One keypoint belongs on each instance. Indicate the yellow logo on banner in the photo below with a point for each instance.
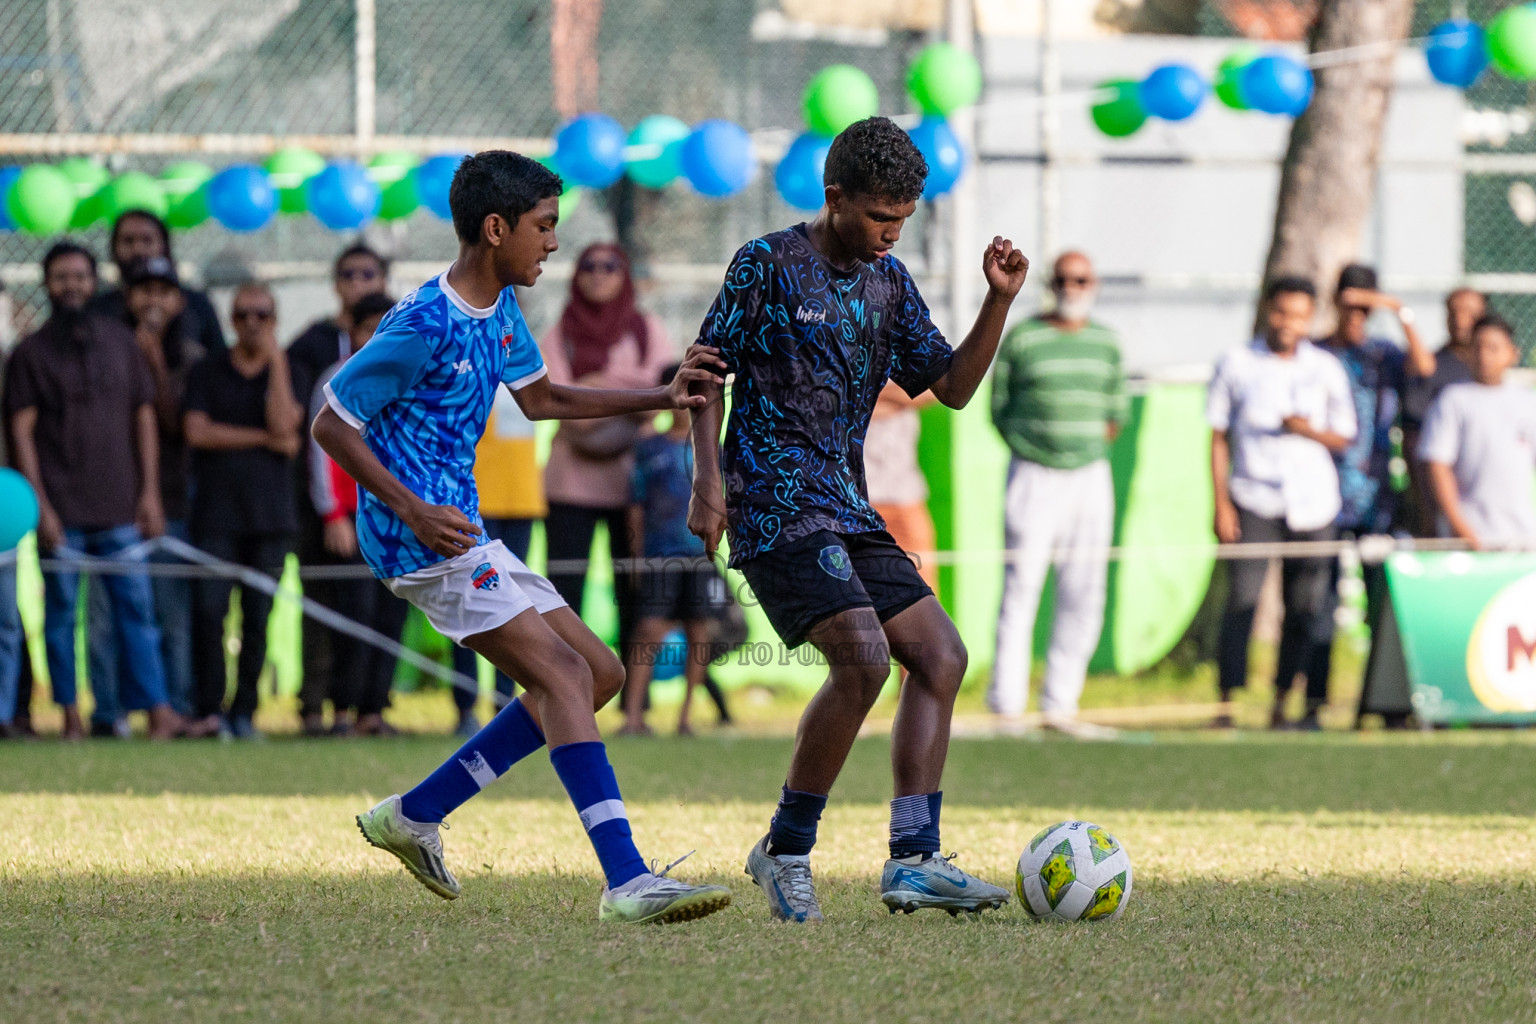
(1501, 654)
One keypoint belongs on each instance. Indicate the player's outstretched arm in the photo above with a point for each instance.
(1005, 269)
(443, 528)
(542, 400)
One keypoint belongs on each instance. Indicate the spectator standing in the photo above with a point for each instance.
(1058, 399)
(13, 640)
(897, 488)
(1279, 409)
(1376, 371)
(359, 271)
(1479, 447)
(677, 583)
(1464, 307)
(242, 424)
(80, 403)
(511, 487)
(140, 235)
(363, 672)
(602, 340)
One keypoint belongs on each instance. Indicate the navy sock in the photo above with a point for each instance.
(505, 740)
(793, 830)
(915, 825)
(588, 779)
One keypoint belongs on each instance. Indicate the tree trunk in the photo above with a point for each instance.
(1329, 176)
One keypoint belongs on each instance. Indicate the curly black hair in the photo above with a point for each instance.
(873, 157)
(497, 181)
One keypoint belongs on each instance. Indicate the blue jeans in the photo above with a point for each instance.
(105, 654)
(13, 645)
(517, 535)
(133, 617)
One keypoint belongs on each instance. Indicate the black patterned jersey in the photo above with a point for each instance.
(811, 346)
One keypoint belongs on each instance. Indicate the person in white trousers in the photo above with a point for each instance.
(1058, 399)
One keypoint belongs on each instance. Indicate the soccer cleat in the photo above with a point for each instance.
(417, 844)
(936, 882)
(786, 881)
(653, 898)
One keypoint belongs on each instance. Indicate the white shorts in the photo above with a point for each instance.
(476, 592)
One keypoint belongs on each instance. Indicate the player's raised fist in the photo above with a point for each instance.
(1005, 267)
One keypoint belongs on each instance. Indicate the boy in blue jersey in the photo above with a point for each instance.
(813, 320)
(402, 417)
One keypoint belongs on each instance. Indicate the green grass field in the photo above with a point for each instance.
(1310, 878)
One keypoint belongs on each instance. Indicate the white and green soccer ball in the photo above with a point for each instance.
(1074, 871)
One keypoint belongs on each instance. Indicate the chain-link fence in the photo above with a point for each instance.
(140, 84)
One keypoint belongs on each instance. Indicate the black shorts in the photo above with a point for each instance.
(824, 573)
(679, 590)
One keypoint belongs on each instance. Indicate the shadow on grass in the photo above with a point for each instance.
(354, 947)
(1415, 777)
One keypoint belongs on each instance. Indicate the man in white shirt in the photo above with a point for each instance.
(1279, 409)
(1479, 445)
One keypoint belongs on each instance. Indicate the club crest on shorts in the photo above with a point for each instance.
(486, 577)
(834, 562)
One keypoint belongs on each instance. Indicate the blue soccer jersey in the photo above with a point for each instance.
(420, 392)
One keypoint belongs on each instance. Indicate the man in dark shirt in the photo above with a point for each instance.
(242, 424)
(813, 320)
(359, 271)
(80, 403)
(1464, 307)
(140, 235)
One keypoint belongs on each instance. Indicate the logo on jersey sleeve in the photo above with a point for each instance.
(486, 577)
(834, 562)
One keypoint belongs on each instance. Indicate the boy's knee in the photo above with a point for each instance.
(607, 678)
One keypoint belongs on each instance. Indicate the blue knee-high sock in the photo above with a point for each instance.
(915, 825)
(588, 779)
(505, 740)
(793, 829)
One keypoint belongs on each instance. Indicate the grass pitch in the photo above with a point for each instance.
(1325, 878)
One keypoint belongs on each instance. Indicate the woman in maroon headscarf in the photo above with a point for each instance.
(602, 340)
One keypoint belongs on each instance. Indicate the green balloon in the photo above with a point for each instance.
(1512, 42)
(87, 178)
(663, 162)
(943, 79)
(569, 200)
(1121, 115)
(1229, 77)
(132, 191)
(395, 174)
(838, 96)
(41, 201)
(289, 168)
(184, 184)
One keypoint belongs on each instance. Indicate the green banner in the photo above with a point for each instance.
(1467, 627)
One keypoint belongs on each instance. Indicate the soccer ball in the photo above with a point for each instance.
(1074, 871)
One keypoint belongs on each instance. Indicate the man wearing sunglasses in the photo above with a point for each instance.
(1058, 400)
(359, 271)
(242, 423)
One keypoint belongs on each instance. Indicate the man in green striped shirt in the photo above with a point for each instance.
(1058, 399)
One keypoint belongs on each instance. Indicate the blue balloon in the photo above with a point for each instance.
(1173, 92)
(718, 158)
(241, 197)
(672, 657)
(799, 175)
(433, 179)
(1277, 84)
(342, 196)
(943, 152)
(18, 508)
(8, 176)
(1457, 52)
(590, 151)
